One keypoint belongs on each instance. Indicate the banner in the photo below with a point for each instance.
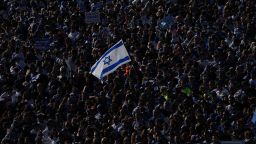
(92, 17)
(42, 44)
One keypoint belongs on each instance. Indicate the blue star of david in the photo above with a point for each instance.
(107, 60)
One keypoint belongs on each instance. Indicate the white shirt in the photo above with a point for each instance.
(73, 36)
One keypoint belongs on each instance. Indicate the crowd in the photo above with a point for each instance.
(192, 78)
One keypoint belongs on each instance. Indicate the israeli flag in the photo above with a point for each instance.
(113, 58)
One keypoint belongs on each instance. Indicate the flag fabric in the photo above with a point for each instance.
(113, 58)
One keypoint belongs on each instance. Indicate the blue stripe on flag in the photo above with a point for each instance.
(117, 45)
(113, 66)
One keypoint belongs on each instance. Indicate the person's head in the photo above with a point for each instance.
(104, 140)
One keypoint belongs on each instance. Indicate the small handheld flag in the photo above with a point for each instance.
(113, 58)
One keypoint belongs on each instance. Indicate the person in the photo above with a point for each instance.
(191, 78)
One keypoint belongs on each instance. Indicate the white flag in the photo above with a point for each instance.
(113, 58)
